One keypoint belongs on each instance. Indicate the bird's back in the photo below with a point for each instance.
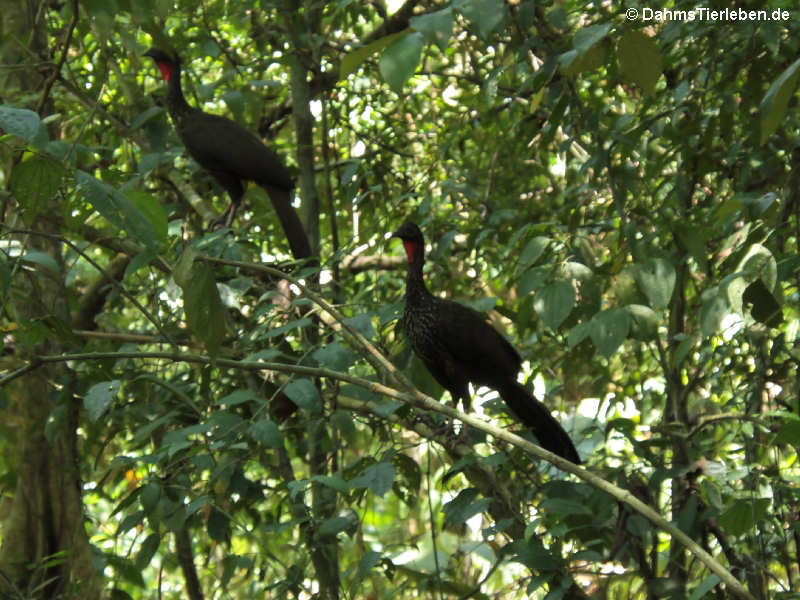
(457, 344)
(219, 144)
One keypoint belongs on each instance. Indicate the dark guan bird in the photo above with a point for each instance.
(231, 154)
(459, 347)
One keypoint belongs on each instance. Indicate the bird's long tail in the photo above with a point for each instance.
(290, 222)
(535, 416)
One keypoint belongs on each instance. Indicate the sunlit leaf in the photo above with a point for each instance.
(400, 60)
(776, 100)
(34, 182)
(609, 329)
(436, 26)
(554, 303)
(640, 60)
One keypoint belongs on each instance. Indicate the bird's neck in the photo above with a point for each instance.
(176, 103)
(416, 290)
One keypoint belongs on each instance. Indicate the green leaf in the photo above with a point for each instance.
(332, 481)
(400, 60)
(708, 584)
(99, 397)
(587, 37)
(532, 279)
(43, 259)
(776, 100)
(149, 496)
(609, 329)
(579, 333)
(236, 398)
(330, 527)
(656, 280)
(366, 563)
(219, 525)
(464, 506)
(714, 308)
(117, 209)
(588, 53)
(377, 478)
(304, 393)
(789, 433)
(152, 209)
(334, 356)
(533, 250)
(640, 60)
(266, 432)
(182, 273)
(202, 304)
(554, 302)
(21, 122)
(436, 26)
(34, 182)
(742, 516)
(147, 550)
(353, 60)
(485, 15)
(644, 322)
(533, 554)
(759, 263)
(145, 117)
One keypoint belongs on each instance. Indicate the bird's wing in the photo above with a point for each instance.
(475, 343)
(220, 144)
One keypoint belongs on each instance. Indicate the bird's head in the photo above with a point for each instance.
(412, 238)
(168, 64)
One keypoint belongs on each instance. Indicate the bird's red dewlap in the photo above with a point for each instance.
(166, 70)
(410, 248)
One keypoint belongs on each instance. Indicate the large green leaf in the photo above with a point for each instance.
(588, 53)
(304, 393)
(640, 60)
(436, 26)
(378, 478)
(609, 329)
(485, 15)
(266, 432)
(776, 100)
(21, 122)
(353, 60)
(35, 181)
(464, 506)
(743, 514)
(533, 250)
(99, 397)
(117, 209)
(713, 309)
(656, 279)
(554, 302)
(400, 60)
(202, 304)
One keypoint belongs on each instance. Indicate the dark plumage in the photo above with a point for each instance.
(231, 154)
(459, 347)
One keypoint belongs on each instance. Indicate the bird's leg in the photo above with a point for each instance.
(225, 219)
(235, 189)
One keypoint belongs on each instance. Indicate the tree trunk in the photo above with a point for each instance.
(45, 550)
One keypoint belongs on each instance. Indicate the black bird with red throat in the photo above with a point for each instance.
(231, 154)
(459, 347)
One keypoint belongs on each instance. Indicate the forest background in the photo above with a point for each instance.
(192, 414)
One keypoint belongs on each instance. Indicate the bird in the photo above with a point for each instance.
(231, 154)
(459, 347)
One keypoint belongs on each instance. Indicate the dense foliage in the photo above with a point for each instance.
(192, 414)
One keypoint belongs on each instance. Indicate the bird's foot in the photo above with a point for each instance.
(224, 220)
